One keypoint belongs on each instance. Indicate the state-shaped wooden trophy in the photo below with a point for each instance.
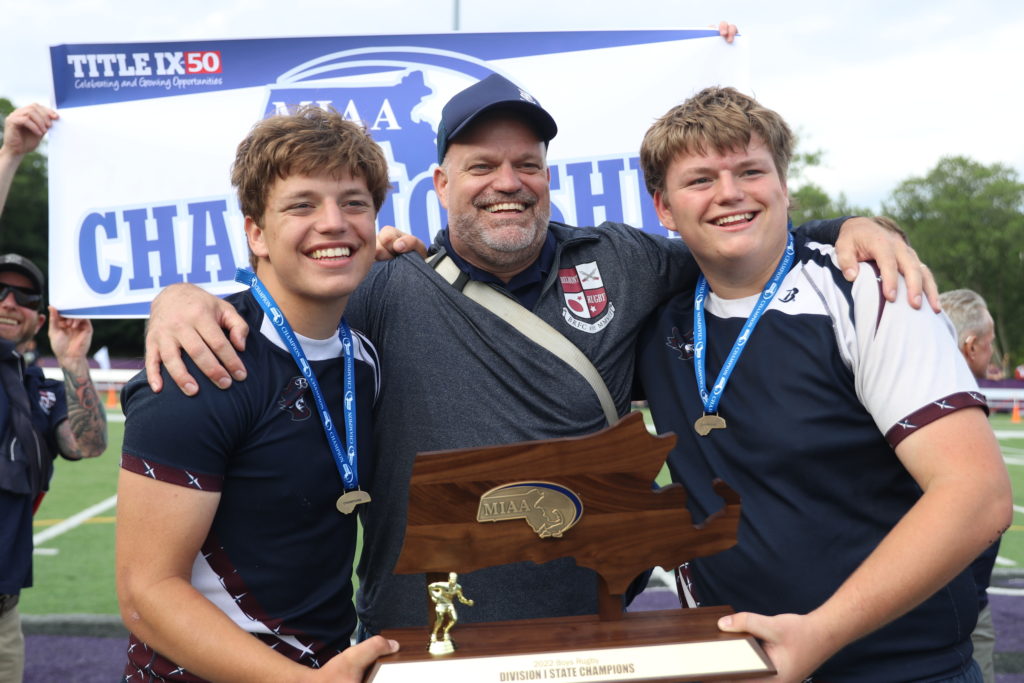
(589, 498)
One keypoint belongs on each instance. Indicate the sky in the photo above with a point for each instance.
(884, 88)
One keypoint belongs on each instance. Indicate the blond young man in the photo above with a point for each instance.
(850, 427)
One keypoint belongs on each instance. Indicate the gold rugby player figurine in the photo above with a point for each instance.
(443, 594)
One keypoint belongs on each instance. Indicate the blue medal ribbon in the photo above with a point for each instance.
(345, 458)
(711, 400)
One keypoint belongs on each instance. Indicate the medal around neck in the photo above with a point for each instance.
(350, 499)
(706, 423)
(710, 400)
(345, 457)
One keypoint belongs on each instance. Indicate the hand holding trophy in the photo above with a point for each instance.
(589, 498)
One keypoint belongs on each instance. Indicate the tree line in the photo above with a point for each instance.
(966, 221)
(964, 218)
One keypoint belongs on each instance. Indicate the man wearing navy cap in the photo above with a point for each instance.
(491, 94)
(458, 375)
(40, 418)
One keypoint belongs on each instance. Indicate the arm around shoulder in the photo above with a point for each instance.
(185, 318)
(882, 241)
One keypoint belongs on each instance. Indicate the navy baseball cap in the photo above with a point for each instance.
(493, 92)
(20, 264)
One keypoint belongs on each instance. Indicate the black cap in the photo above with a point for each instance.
(493, 92)
(20, 264)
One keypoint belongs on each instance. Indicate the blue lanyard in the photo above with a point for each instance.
(711, 400)
(345, 459)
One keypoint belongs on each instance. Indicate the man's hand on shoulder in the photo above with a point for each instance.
(391, 242)
(866, 239)
(184, 317)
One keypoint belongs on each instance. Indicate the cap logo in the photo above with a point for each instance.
(527, 97)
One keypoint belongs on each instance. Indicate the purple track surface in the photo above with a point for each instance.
(53, 656)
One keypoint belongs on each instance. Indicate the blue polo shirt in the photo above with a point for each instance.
(525, 286)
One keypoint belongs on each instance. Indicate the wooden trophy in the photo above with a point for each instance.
(574, 497)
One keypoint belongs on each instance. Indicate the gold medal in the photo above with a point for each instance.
(706, 423)
(350, 499)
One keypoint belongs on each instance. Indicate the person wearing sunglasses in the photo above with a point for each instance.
(39, 417)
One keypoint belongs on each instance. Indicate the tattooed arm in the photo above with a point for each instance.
(84, 433)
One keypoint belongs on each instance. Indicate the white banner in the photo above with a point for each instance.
(139, 162)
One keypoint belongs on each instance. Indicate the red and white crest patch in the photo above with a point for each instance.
(586, 298)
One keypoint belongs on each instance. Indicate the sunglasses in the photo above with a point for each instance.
(22, 295)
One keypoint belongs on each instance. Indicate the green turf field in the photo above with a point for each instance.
(1012, 547)
(79, 578)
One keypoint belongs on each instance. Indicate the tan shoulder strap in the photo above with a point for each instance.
(533, 327)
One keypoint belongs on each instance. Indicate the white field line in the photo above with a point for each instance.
(79, 518)
(73, 521)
